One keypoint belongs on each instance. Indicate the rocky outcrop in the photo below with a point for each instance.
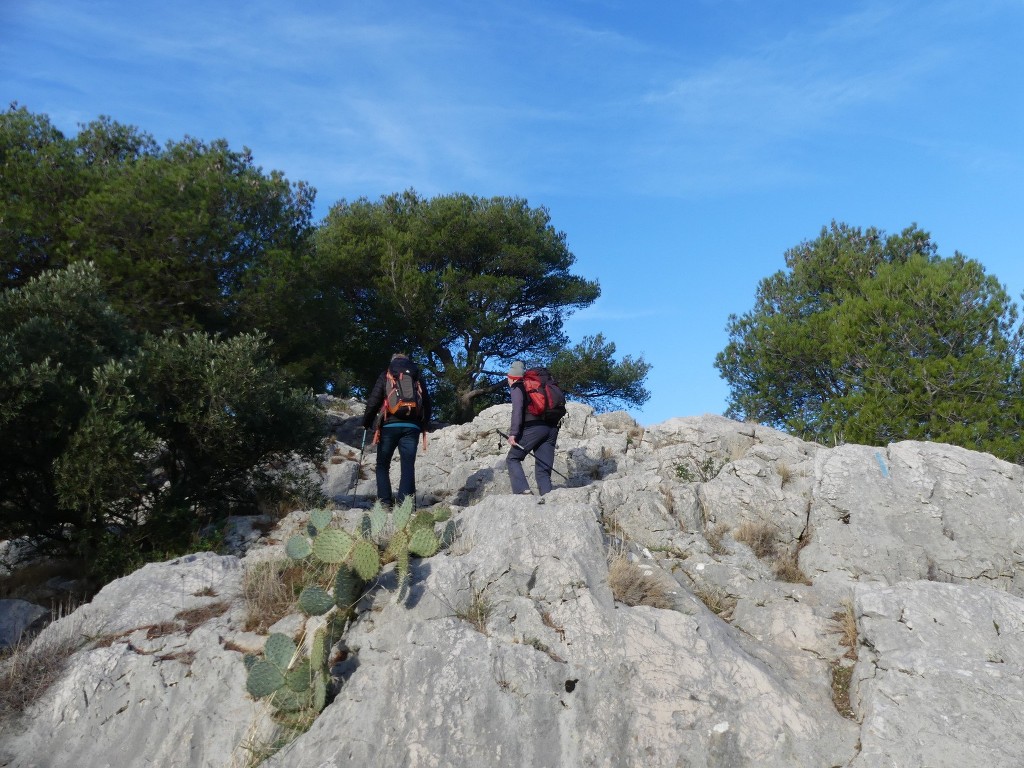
(16, 618)
(845, 606)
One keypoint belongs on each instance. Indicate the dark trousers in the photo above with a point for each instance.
(539, 438)
(404, 439)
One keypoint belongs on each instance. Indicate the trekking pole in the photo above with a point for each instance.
(542, 463)
(359, 470)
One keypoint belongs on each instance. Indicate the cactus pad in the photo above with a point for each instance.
(314, 601)
(366, 559)
(378, 519)
(332, 546)
(402, 566)
(422, 521)
(288, 700)
(318, 650)
(320, 518)
(402, 512)
(399, 543)
(264, 679)
(319, 693)
(279, 650)
(300, 678)
(298, 547)
(442, 515)
(448, 534)
(423, 542)
(346, 587)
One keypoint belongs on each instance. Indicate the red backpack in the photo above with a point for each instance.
(544, 398)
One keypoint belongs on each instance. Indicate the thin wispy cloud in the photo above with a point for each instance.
(600, 313)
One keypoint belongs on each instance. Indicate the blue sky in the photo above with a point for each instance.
(682, 147)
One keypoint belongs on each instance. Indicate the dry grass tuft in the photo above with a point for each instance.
(192, 618)
(718, 601)
(759, 536)
(270, 590)
(477, 610)
(632, 585)
(845, 625)
(163, 629)
(28, 671)
(183, 657)
(787, 568)
(714, 536)
(786, 472)
(737, 450)
(635, 436)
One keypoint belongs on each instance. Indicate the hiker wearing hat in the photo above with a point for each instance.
(529, 432)
(398, 410)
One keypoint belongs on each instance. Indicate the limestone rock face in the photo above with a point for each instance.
(820, 606)
(559, 674)
(940, 677)
(917, 511)
(152, 683)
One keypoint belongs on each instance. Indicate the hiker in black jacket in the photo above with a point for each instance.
(397, 430)
(528, 433)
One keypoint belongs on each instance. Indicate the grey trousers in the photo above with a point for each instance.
(538, 438)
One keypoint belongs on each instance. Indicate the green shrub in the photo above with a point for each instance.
(124, 448)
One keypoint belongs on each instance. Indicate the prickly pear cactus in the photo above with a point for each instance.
(421, 521)
(318, 649)
(332, 546)
(423, 542)
(319, 519)
(447, 537)
(347, 585)
(288, 700)
(300, 677)
(366, 559)
(268, 675)
(404, 577)
(298, 547)
(314, 601)
(399, 543)
(292, 688)
(442, 514)
(319, 698)
(279, 650)
(264, 679)
(297, 686)
(402, 513)
(378, 519)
